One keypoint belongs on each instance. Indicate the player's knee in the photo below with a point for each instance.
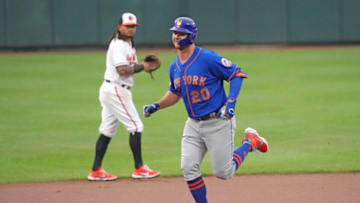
(190, 170)
(108, 132)
(224, 174)
(188, 167)
(139, 127)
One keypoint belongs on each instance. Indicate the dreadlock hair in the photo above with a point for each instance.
(117, 35)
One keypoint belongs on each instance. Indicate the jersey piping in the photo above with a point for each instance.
(186, 84)
(123, 105)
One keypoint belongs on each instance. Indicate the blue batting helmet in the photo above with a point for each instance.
(188, 26)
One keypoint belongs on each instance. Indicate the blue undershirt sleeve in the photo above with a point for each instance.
(235, 86)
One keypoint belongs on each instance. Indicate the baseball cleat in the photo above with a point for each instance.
(100, 175)
(144, 172)
(256, 142)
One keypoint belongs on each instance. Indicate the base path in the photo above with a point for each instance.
(319, 188)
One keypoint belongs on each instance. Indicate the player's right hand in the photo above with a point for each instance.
(150, 109)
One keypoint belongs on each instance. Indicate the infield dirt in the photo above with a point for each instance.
(289, 188)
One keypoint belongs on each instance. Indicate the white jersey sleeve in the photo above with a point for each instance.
(118, 53)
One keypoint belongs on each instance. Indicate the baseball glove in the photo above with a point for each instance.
(151, 63)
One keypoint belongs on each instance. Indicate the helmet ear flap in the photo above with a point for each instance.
(187, 41)
(193, 37)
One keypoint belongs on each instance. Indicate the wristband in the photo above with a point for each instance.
(138, 68)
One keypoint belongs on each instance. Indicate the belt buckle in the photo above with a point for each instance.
(206, 117)
(198, 119)
(212, 115)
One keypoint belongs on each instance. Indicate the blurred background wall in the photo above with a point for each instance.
(76, 23)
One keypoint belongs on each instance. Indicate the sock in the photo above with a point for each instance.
(135, 145)
(240, 154)
(100, 149)
(198, 189)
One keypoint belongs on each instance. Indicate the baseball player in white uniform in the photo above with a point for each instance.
(116, 100)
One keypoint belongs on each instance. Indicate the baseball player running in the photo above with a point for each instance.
(197, 76)
(116, 99)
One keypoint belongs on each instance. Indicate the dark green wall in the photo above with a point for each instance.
(157, 18)
(75, 22)
(215, 20)
(28, 23)
(2, 23)
(350, 20)
(314, 21)
(261, 21)
(56, 23)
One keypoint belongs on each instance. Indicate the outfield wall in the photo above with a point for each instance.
(58, 23)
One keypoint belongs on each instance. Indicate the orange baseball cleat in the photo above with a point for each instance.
(100, 175)
(256, 142)
(144, 172)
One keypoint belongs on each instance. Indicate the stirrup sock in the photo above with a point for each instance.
(198, 189)
(135, 145)
(240, 154)
(100, 150)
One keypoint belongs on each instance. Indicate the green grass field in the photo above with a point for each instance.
(305, 102)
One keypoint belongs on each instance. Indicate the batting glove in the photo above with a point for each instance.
(227, 111)
(150, 109)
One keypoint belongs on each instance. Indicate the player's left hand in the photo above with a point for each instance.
(151, 63)
(227, 111)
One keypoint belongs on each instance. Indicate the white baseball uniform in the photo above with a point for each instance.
(115, 95)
